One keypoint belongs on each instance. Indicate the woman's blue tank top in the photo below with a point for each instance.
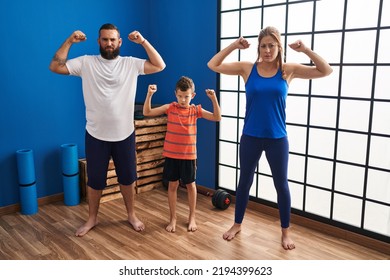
(265, 115)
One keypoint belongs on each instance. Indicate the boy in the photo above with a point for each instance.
(180, 142)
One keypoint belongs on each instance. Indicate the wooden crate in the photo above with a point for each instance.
(149, 138)
(112, 190)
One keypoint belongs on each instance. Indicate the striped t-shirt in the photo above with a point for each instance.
(180, 139)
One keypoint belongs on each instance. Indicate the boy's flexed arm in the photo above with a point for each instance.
(148, 110)
(216, 114)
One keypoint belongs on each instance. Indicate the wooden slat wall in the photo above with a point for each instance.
(149, 139)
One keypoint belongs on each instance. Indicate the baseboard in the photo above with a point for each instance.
(11, 209)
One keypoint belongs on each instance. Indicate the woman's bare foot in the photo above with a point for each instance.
(83, 230)
(231, 233)
(287, 242)
(172, 226)
(136, 224)
(192, 225)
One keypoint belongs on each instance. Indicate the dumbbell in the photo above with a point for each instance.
(221, 199)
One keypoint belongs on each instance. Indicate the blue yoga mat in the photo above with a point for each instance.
(71, 190)
(27, 184)
(70, 164)
(70, 174)
(28, 200)
(26, 169)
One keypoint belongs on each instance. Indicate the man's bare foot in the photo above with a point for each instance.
(83, 230)
(287, 242)
(231, 233)
(136, 224)
(171, 227)
(192, 225)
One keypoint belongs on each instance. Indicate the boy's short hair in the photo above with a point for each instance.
(185, 83)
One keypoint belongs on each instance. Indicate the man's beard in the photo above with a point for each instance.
(109, 54)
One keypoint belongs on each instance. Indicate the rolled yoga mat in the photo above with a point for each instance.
(70, 174)
(27, 182)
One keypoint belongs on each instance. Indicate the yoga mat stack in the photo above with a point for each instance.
(27, 182)
(70, 174)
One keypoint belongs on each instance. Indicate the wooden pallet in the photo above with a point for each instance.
(149, 141)
(149, 138)
(112, 190)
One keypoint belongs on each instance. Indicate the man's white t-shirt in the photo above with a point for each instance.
(109, 89)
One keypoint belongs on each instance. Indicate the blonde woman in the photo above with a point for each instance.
(266, 83)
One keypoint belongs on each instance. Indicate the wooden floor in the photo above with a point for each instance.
(49, 234)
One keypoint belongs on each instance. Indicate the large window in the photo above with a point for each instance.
(338, 126)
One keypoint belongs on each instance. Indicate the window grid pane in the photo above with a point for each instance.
(339, 136)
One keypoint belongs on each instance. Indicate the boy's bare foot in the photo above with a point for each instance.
(231, 233)
(287, 242)
(192, 225)
(83, 230)
(171, 227)
(136, 224)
